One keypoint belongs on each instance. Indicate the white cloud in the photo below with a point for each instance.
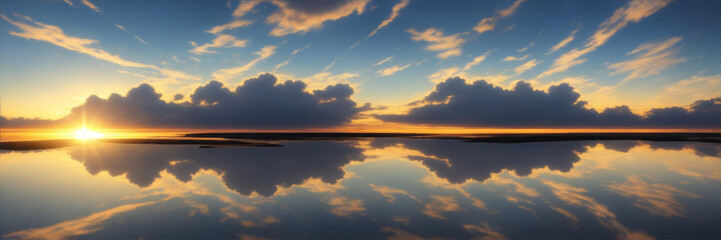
(392, 70)
(651, 59)
(222, 40)
(526, 66)
(228, 73)
(448, 46)
(634, 11)
(396, 10)
(512, 58)
(489, 23)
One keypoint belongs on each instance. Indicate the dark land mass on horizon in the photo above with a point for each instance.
(490, 138)
(247, 139)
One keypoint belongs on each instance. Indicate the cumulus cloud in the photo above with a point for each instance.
(489, 23)
(448, 46)
(295, 16)
(395, 12)
(456, 102)
(261, 102)
(634, 11)
(650, 59)
(392, 70)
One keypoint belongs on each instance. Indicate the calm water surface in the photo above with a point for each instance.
(365, 189)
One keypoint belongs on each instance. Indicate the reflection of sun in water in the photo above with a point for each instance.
(85, 133)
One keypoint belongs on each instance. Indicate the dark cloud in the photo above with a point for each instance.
(245, 170)
(259, 103)
(456, 102)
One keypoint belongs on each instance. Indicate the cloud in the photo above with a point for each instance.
(489, 23)
(563, 42)
(475, 61)
(390, 193)
(396, 10)
(228, 26)
(35, 30)
(455, 102)
(657, 198)
(448, 46)
(90, 5)
(260, 103)
(650, 59)
(295, 16)
(69, 2)
(512, 58)
(228, 73)
(292, 55)
(439, 205)
(486, 229)
(634, 11)
(392, 70)
(526, 66)
(344, 207)
(383, 61)
(222, 40)
(135, 36)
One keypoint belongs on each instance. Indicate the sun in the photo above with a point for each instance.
(85, 133)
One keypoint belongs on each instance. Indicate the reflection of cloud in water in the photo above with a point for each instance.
(656, 198)
(245, 170)
(575, 196)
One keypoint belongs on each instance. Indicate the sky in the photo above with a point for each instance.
(362, 62)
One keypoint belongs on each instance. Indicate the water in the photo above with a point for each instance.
(364, 189)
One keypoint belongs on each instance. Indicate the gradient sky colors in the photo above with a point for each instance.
(643, 54)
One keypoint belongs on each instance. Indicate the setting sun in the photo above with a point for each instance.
(85, 133)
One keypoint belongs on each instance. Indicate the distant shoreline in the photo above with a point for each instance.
(212, 140)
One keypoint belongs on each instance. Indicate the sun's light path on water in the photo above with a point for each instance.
(85, 133)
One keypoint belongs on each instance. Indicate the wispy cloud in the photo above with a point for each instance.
(383, 61)
(489, 23)
(228, 26)
(90, 5)
(448, 46)
(292, 55)
(634, 11)
(69, 2)
(396, 10)
(221, 41)
(289, 18)
(134, 36)
(512, 58)
(228, 73)
(526, 66)
(563, 42)
(476, 61)
(650, 59)
(392, 70)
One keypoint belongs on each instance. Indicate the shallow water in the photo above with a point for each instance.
(365, 189)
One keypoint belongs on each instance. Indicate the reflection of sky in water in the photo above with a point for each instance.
(384, 188)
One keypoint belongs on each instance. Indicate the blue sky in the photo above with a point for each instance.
(677, 59)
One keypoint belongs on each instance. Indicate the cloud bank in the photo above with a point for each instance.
(456, 102)
(261, 103)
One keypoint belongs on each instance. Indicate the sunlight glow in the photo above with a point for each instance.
(85, 133)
